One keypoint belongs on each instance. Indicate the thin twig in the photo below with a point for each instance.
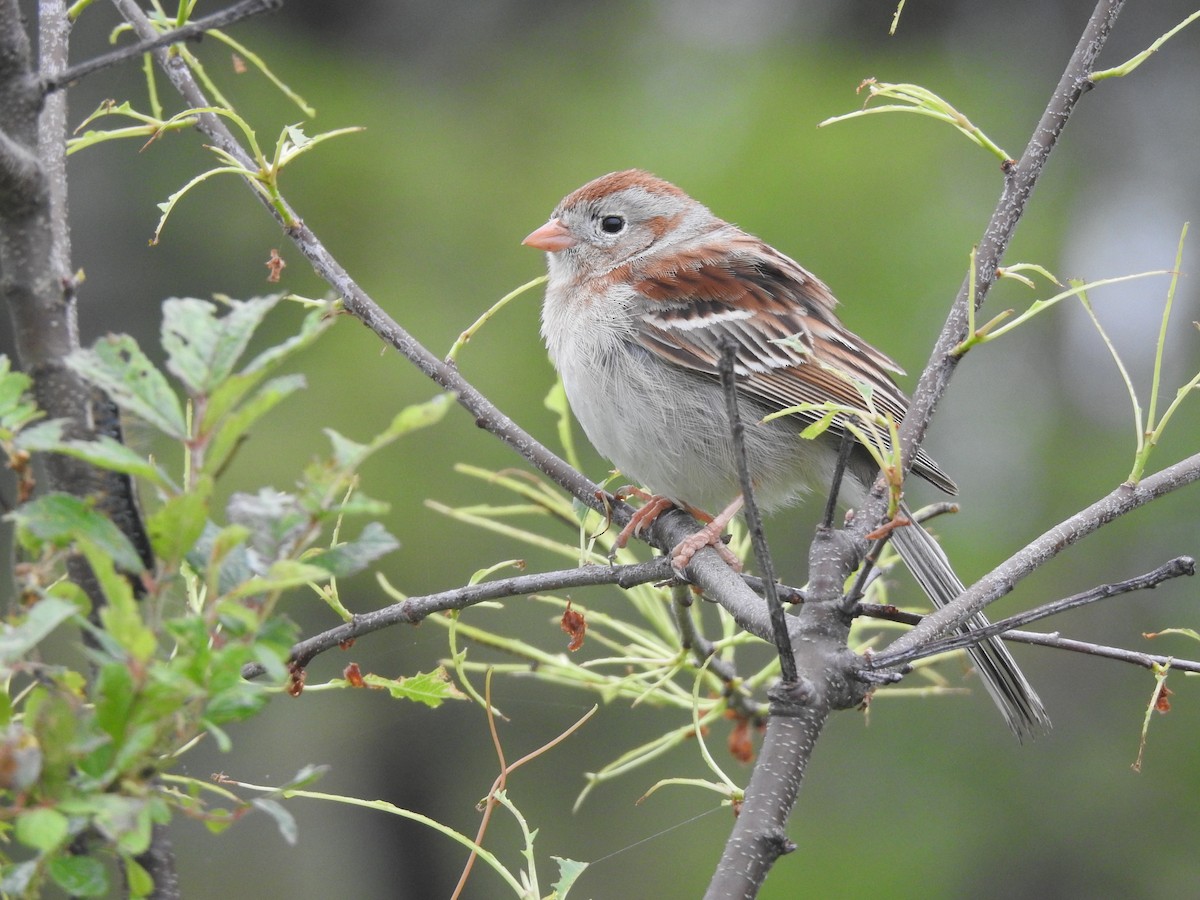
(1133, 657)
(758, 540)
(414, 609)
(705, 654)
(192, 31)
(1181, 565)
(845, 448)
(1001, 580)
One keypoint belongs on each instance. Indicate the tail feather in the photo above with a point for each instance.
(1011, 692)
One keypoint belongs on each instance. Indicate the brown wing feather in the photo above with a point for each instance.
(791, 347)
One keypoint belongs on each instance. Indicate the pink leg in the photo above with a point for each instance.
(708, 536)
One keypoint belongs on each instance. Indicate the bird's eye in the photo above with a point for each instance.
(612, 224)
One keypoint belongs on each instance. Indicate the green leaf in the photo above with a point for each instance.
(431, 688)
(283, 574)
(53, 723)
(16, 409)
(42, 618)
(137, 879)
(349, 455)
(222, 549)
(283, 819)
(115, 694)
(275, 521)
(419, 415)
(60, 518)
(13, 385)
(116, 364)
(819, 427)
(176, 526)
(234, 427)
(44, 436)
(104, 452)
(569, 871)
(354, 556)
(235, 704)
(202, 349)
(228, 394)
(124, 821)
(80, 876)
(121, 617)
(42, 829)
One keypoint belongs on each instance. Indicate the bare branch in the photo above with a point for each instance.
(414, 609)
(192, 31)
(762, 553)
(1145, 660)
(705, 654)
(1004, 577)
(1020, 180)
(1182, 565)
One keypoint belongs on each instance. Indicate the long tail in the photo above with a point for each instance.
(1012, 693)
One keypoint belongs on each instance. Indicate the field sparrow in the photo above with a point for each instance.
(646, 286)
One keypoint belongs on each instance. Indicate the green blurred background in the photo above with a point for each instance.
(478, 118)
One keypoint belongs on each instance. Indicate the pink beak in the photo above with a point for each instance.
(551, 237)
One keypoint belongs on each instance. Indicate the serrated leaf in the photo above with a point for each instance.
(120, 617)
(347, 454)
(79, 876)
(311, 328)
(275, 521)
(116, 364)
(224, 550)
(13, 385)
(42, 436)
(354, 556)
(234, 427)
(60, 518)
(176, 527)
(283, 574)
(569, 871)
(43, 829)
(43, 618)
(16, 408)
(203, 349)
(104, 452)
(431, 688)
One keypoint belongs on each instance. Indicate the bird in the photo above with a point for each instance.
(646, 288)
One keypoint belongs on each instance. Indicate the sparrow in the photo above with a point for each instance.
(646, 289)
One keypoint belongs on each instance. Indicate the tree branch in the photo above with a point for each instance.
(1053, 640)
(414, 609)
(1004, 577)
(758, 539)
(1181, 565)
(1020, 180)
(192, 31)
